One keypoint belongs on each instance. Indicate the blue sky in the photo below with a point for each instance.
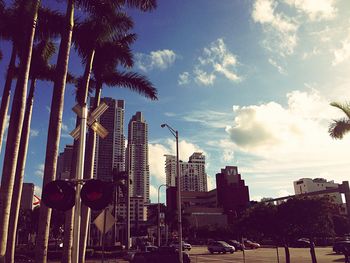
(246, 82)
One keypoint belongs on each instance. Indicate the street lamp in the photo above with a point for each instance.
(175, 133)
(158, 228)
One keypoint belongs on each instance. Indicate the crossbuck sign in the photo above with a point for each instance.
(92, 121)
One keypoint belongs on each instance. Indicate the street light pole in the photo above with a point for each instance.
(158, 228)
(175, 133)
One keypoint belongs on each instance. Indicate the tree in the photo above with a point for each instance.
(258, 221)
(340, 127)
(40, 69)
(306, 217)
(12, 29)
(15, 128)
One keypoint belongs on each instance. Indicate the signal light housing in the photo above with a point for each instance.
(96, 194)
(59, 195)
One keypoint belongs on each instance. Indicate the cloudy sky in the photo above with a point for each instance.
(248, 83)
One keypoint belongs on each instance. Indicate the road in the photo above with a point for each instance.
(200, 254)
(266, 255)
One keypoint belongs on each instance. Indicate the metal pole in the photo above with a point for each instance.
(80, 170)
(178, 196)
(104, 235)
(128, 201)
(158, 228)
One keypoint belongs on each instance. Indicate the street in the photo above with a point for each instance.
(200, 254)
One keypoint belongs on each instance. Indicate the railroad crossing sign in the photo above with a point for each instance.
(92, 121)
(104, 225)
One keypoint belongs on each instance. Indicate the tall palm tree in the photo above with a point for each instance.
(40, 69)
(57, 103)
(107, 57)
(11, 29)
(15, 127)
(338, 128)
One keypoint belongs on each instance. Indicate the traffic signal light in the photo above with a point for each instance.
(96, 194)
(59, 195)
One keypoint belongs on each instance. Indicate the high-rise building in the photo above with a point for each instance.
(64, 163)
(308, 185)
(233, 194)
(27, 197)
(193, 175)
(110, 151)
(137, 157)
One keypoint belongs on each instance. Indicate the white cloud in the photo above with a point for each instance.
(315, 9)
(288, 142)
(280, 29)
(64, 127)
(184, 78)
(34, 133)
(40, 170)
(271, 125)
(208, 118)
(276, 65)
(216, 59)
(160, 59)
(37, 191)
(343, 53)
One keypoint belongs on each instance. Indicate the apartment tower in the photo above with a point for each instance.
(137, 157)
(110, 151)
(193, 175)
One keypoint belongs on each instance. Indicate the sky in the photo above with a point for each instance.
(248, 83)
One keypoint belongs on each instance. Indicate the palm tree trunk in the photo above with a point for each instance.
(17, 190)
(54, 131)
(14, 135)
(69, 216)
(88, 174)
(287, 254)
(5, 101)
(312, 251)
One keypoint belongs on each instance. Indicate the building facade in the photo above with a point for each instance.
(232, 193)
(137, 157)
(27, 197)
(64, 162)
(110, 151)
(192, 173)
(308, 185)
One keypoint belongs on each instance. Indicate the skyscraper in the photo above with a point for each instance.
(193, 175)
(110, 151)
(64, 163)
(137, 156)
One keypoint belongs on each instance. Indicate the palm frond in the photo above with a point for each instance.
(132, 81)
(345, 107)
(338, 128)
(143, 5)
(50, 24)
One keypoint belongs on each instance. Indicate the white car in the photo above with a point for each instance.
(185, 246)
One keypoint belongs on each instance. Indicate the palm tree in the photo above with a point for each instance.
(12, 29)
(107, 57)
(57, 103)
(40, 69)
(340, 127)
(15, 127)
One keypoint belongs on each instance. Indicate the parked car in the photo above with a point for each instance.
(301, 242)
(185, 246)
(341, 246)
(163, 254)
(251, 244)
(220, 247)
(237, 245)
(131, 253)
